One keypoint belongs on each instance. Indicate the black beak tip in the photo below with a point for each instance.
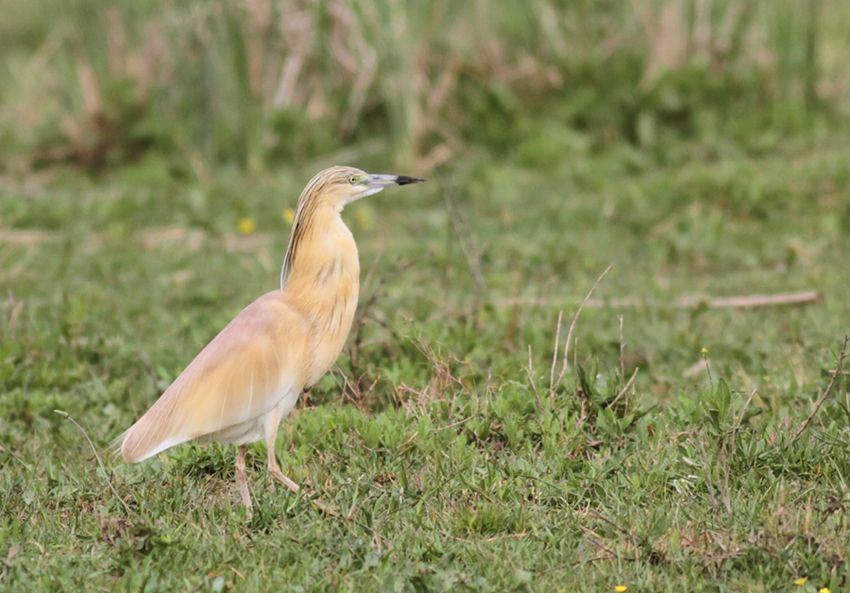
(405, 180)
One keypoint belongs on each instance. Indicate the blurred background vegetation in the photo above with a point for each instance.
(258, 82)
(151, 153)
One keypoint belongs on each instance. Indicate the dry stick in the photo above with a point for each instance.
(752, 301)
(15, 456)
(622, 352)
(575, 353)
(847, 399)
(624, 389)
(452, 425)
(96, 456)
(531, 377)
(598, 541)
(839, 367)
(728, 448)
(471, 251)
(555, 356)
(565, 360)
(740, 418)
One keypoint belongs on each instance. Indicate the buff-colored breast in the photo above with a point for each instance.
(326, 283)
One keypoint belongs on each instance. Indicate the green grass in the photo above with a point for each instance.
(445, 464)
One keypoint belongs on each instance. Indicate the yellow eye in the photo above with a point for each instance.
(353, 179)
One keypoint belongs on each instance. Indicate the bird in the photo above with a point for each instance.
(242, 384)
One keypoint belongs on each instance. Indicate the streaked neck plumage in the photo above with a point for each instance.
(321, 280)
(321, 256)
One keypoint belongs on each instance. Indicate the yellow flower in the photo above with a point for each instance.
(621, 589)
(823, 590)
(247, 226)
(801, 581)
(289, 215)
(704, 351)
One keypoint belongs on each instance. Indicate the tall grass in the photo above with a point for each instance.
(258, 81)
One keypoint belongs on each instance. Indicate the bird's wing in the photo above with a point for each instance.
(240, 375)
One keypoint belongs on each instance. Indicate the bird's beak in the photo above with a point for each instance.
(383, 181)
(375, 183)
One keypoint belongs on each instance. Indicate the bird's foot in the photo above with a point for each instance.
(280, 477)
(242, 478)
(245, 495)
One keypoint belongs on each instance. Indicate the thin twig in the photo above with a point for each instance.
(752, 301)
(530, 371)
(555, 358)
(737, 424)
(597, 540)
(727, 451)
(15, 456)
(448, 426)
(622, 352)
(602, 517)
(624, 389)
(839, 366)
(471, 250)
(565, 361)
(97, 457)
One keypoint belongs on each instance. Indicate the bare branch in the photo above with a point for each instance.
(752, 301)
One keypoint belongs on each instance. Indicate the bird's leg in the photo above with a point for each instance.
(241, 478)
(274, 469)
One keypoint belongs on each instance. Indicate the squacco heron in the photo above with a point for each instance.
(249, 377)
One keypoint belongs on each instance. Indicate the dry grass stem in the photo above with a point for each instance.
(622, 351)
(555, 357)
(565, 360)
(625, 388)
(833, 377)
(471, 251)
(97, 457)
(530, 372)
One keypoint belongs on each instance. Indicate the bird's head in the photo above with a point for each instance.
(333, 188)
(339, 186)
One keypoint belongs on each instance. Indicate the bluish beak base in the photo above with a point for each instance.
(383, 180)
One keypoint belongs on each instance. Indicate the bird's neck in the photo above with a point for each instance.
(324, 273)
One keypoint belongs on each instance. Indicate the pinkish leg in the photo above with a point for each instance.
(274, 469)
(241, 478)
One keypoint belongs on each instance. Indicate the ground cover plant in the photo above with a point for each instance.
(483, 430)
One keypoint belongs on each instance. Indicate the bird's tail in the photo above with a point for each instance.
(115, 445)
